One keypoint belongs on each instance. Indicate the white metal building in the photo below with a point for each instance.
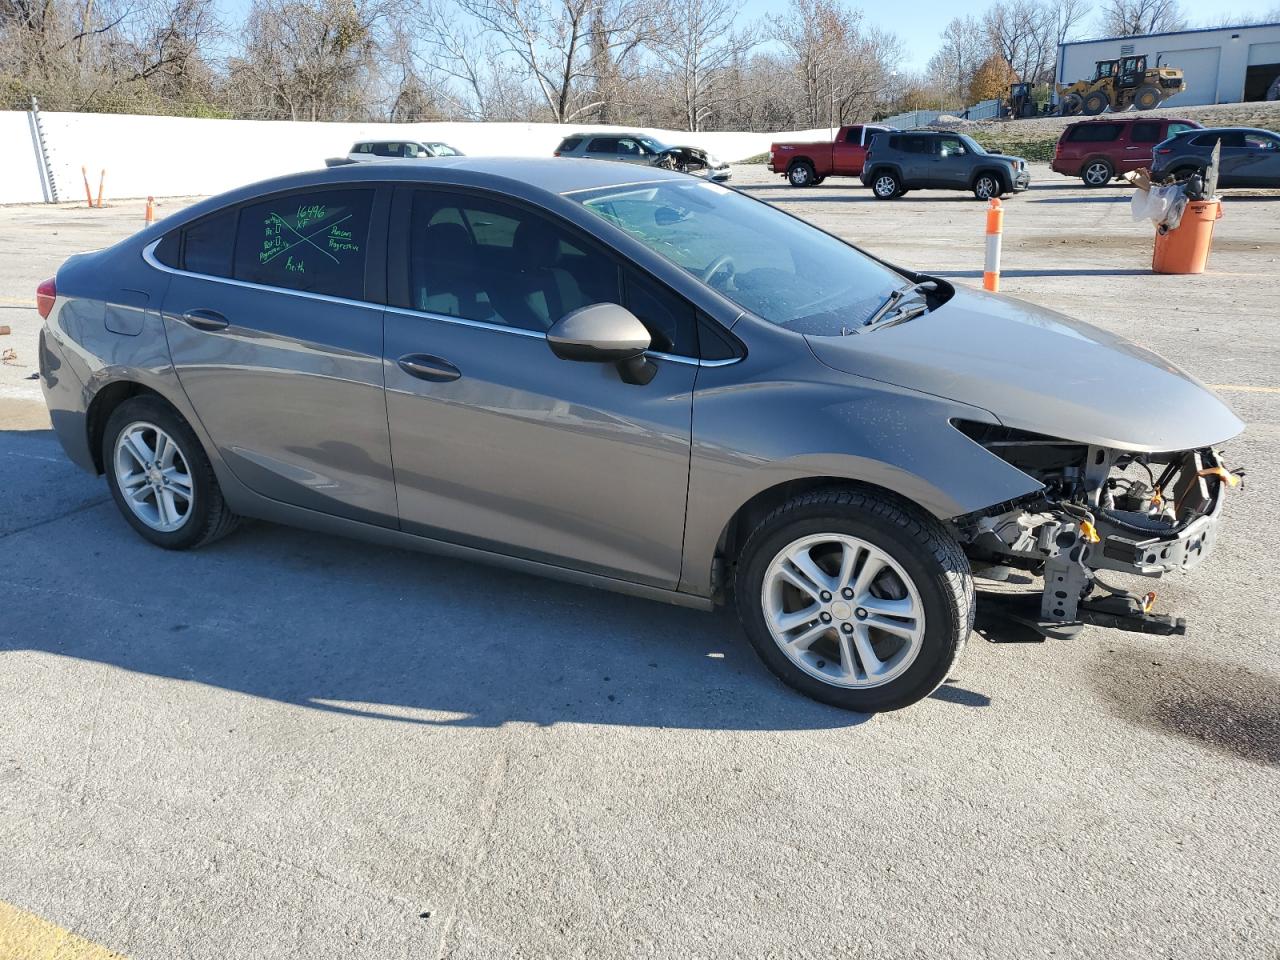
(1222, 64)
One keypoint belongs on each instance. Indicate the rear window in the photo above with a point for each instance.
(207, 243)
(603, 145)
(313, 242)
(1094, 133)
(569, 143)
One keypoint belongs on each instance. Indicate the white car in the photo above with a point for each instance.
(396, 149)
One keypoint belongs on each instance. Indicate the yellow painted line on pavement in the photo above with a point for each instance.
(1243, 388)
(10, 302)
(24, 936)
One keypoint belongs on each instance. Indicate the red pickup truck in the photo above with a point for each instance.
(805, 164)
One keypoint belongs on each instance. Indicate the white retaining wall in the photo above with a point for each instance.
(185, 156)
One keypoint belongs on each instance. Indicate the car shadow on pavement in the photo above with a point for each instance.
(346, 627)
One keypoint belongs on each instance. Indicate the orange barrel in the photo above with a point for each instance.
(1186, 248)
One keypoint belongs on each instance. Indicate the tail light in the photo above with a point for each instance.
(555, 153)
(1164, 151)
(1057, 149)
(46, 293)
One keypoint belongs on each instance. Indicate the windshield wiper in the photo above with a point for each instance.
(889, 307)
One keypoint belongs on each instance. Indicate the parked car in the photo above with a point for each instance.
(808, 164)
(1249, 157)
(914, 160)
(643, 149)
(400, 149)
(603, 374)
(1099, 151)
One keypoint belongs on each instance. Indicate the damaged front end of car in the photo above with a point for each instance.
(1099, 510)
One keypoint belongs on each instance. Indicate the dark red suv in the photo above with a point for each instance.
(1097, 151)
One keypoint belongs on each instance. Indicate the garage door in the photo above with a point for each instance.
(1263, 53)
(1200, 67)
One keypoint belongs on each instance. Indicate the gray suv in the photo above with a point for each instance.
(643, 149)
(1249, 157)
(914, 160)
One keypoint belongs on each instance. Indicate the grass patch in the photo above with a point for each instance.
(1039, 150)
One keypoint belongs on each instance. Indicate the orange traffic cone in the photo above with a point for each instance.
(151, 210)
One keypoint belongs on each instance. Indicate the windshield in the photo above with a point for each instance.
(779, 268)
(444, 150)
(973, 146)
(652, 144)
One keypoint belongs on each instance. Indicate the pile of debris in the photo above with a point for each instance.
(1164, 203)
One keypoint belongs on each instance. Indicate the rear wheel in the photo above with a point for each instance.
(1097, 173)
(1096, 102)
(160, 478)
(855, 599)
(885, 185)
(1147, 98)
(987, 186)
(801, 174)
(1071, 105)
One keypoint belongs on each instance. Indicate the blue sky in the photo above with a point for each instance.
(919, 31)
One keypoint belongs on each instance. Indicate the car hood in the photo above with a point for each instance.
(1035, 369)
(1005, 156)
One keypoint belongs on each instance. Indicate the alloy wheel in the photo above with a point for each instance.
(843, 610)
(153, 476)
(986, 188)
(1097, 174)
(886, 186)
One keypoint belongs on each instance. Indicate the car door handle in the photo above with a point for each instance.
(205, 319)
(426, 367)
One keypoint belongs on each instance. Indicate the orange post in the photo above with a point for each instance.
(102, 182)
(88, 190)
(151, 210)
(995, 227)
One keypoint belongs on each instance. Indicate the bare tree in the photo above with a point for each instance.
(1132, 18)
(966, 44)
(695, 42)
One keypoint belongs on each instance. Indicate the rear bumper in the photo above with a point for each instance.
(1067, 168)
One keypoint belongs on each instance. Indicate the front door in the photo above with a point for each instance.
(498, 443)
(280, 353)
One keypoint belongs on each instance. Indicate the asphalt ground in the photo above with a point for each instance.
(290, 745)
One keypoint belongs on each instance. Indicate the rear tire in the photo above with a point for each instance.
(160, 477)
(1095, 103)
(1071, 105)
(1097, 173)
(800, 174)
(1147, 98)
(886, 185)
(918, 612)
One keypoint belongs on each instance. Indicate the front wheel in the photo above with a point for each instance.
(987, 186)
(160, 477)
(885, 186)
(855, 599)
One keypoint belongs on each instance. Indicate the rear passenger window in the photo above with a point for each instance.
(1094, 133)
(207, 244)
(314, 242)
(603, 145)
(1145, 133)
(916, 145)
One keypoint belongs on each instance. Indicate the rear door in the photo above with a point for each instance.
(274, 323)
(499, 444)
(1138, 146)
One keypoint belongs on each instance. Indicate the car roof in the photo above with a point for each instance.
(1227, 130)
(526, 177)
(1137, 119)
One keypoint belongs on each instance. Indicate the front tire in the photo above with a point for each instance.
(855, 599)
(886, 186)
(1095, 103)
(1147, 98)
(160, 477)
(987, 186)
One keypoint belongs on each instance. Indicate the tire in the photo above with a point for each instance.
(800, 174)
(987, 186)
(206, 516)
(1147, 98)
(1097, 173)
(1095, 103)
(886, 185)
(922, 562)
(1071, 105)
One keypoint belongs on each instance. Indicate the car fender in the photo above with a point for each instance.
(757, 427)
(870, 169)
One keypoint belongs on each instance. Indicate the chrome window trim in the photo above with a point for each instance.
(148, 255)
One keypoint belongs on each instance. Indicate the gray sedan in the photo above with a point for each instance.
(603, 374)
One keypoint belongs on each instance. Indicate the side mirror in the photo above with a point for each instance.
(604, 333)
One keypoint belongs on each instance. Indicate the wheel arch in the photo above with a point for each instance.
(801, 158)
(105, 402)
(1003, 177)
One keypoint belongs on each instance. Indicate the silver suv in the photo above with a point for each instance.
(399, 149)
(642, 148)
